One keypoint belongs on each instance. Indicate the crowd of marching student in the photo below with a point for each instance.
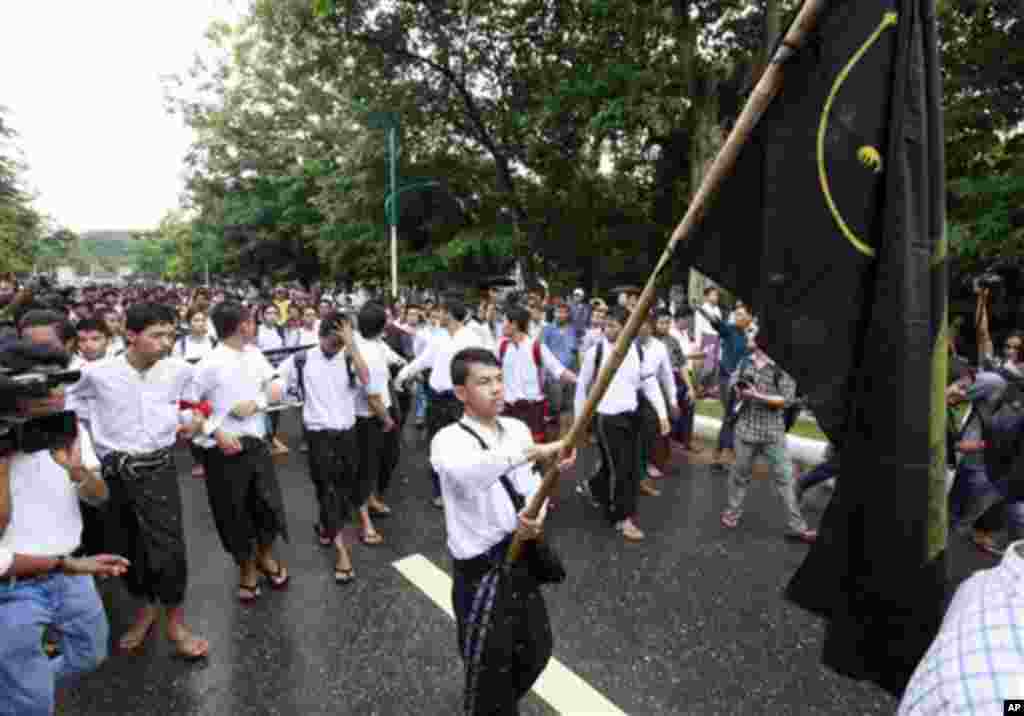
(215, 367)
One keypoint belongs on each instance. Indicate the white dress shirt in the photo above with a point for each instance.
(377, 364)
(478, 513)
(421, 340)
(441, 370)
(227, 377)
(330, 396)
(701, 326)
(268, 339)
(115, 347)
(439, 359)
(621, 394)
(46, 520)
(483, 332)
(425, 359)
(133, 412)
(658, 364)
(309, 336)
(519, 372)
(189, 348)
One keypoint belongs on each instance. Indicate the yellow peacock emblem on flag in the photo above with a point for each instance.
(871, 158)
(867, 155)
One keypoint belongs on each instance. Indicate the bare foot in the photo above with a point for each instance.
(137, 632)
(186, 644)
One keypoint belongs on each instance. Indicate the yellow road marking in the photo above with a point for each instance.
(563, 690)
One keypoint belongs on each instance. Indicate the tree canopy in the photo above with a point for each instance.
(567, 135)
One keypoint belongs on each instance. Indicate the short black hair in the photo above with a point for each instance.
(372, 319)
(141, 316)
(519, 316)
(228, 316)
(332, 321)
(457, 310)
(93, 324)
(467, 357)
(44, 317)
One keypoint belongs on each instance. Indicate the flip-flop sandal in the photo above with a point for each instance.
(253, 593)
(279, 578)
(190, 655)
(344, 576)
(323, 540)
(137, 639)
(370, 538)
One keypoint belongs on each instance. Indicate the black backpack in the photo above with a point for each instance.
(300, 369)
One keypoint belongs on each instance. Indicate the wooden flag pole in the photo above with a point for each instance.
(764, 92)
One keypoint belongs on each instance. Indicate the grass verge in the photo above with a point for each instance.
(804, 428)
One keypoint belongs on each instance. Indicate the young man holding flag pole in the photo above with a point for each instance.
(857, 121)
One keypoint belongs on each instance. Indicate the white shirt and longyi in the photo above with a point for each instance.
(133, 412)
(331, 405)
(478, 512)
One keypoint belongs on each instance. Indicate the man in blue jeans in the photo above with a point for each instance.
(40, 584)
(734, 350)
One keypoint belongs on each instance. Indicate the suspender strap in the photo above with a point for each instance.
(518, 501)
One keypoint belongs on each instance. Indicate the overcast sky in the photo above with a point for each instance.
(81, 81)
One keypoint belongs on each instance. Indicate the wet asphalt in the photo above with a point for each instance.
(689, 621)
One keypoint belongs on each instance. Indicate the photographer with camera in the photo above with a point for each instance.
(763, 391)
(47, 465)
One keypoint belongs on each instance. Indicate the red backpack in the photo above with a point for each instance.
(503, 346)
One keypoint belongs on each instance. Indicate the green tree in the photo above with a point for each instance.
(21, 225)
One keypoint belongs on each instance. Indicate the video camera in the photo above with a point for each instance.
(994, 277)
(28, 371)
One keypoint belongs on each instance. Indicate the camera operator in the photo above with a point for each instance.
(1012, 360)
(48, 327)
(40, 525)
(988, 468)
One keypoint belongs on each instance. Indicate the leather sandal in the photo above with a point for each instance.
(279, 577)
(249, 593)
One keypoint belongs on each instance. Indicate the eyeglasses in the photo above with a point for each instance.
(1013, 346)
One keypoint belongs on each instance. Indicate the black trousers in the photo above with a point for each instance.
(333, 467)
(145, 526)
(518, 643)
(245, 499)
(378, 457)
(443, 409)
(617, 484)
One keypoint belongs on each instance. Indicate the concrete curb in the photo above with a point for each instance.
(803, 450)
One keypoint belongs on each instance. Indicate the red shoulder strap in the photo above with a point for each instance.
(502, 347)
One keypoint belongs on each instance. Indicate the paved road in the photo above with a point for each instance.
(688, 622)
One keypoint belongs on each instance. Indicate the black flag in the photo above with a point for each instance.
(832, 227)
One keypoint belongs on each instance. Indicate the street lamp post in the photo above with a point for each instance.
(393, 174)
(390, 122)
